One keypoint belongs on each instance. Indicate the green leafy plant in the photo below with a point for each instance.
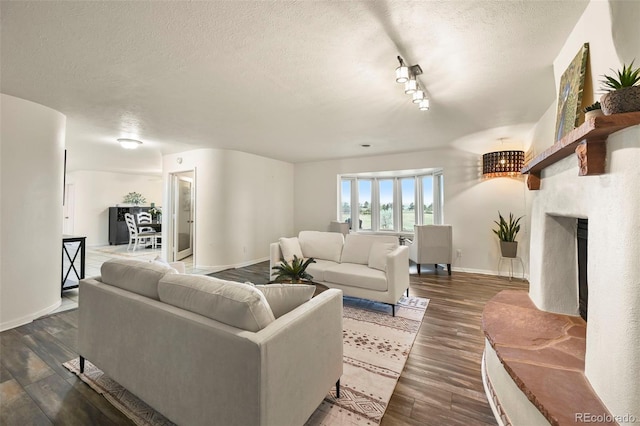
(155, 211)
(507, 231)
(294, 272)
(134, 198)
(593, 107)
(627, 77)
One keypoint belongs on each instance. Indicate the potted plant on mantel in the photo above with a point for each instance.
(623, 91)
(507, 232)
(294, 272)
(593, 110)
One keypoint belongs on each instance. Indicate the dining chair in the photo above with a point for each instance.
(145, 217)
(135, 235)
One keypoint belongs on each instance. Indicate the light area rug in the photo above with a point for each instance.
(376, 347)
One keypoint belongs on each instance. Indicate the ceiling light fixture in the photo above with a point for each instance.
(129, 143)
(411, 85)
(502, 164)
(402, 72)
(418, 96)
(408, 75)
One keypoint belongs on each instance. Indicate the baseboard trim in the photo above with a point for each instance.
(219, 268)
(26, 319)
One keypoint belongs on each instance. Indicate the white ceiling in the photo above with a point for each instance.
(296, 81)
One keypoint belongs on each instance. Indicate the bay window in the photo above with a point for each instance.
(391, 201)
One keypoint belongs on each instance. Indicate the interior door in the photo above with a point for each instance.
(183, 215)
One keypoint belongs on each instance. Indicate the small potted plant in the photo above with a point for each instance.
(156, 213)
(623, 91)
(593, 110)
(294, 272)
(506, 232)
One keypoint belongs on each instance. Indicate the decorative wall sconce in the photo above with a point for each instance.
(502, 164)
(407, 75)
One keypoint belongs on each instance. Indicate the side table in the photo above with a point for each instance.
(72, 266)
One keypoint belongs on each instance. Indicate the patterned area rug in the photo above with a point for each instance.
(376, 347)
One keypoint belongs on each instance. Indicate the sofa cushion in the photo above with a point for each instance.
(357, 247)
(283, 298)
(316, 270)
(378, 255)
(290, 247)
(354, 275)
(236, 304)
(321, 245)
(137, 276)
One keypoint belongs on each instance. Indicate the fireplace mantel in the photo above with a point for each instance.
(587, 141)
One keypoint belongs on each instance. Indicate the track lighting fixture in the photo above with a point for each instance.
(408, 75)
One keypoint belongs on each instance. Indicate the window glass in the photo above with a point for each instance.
(408, 188)
(386, 204)
(345, 199)
(391, 203)
(427, 200)
(364, 204)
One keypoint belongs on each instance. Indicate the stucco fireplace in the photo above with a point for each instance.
(611, 204)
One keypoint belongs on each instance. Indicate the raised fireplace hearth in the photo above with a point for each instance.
(543, 353)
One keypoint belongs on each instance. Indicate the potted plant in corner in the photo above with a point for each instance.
(623, 92)
(294, 272)
(507, 232)
(593, 110)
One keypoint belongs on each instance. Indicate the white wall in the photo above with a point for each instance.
(612, 205)
(243, 202)
(471, 204)
(96, 191)
(32, 159)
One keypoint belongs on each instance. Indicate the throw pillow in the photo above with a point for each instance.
(378, 255)
(236, 304)
(179, 267)
(283, 298)
(289, 248)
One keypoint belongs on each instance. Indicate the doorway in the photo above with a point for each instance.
(183, 214)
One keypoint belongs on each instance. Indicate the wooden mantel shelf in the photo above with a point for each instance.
(586, 141)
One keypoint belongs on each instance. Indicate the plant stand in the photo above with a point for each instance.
(511, 259)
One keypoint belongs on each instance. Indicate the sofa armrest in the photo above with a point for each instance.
(398, 271)
(302, 349)
(275, 257)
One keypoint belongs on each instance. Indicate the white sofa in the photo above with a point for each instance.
(153, 331)
(373, 267)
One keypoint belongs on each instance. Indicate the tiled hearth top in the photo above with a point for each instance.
(544, 355)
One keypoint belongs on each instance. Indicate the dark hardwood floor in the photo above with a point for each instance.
(440, 384)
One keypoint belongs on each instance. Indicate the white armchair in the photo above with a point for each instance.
(432, 244)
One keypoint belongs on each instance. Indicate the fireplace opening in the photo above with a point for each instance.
(583, 290)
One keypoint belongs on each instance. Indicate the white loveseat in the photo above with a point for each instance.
(153, 331)
(373, 267)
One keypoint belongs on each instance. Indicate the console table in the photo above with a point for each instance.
(72, 264)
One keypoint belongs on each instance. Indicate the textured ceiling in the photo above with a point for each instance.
(296, 81)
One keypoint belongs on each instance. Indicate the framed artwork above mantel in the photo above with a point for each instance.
(570, 94)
